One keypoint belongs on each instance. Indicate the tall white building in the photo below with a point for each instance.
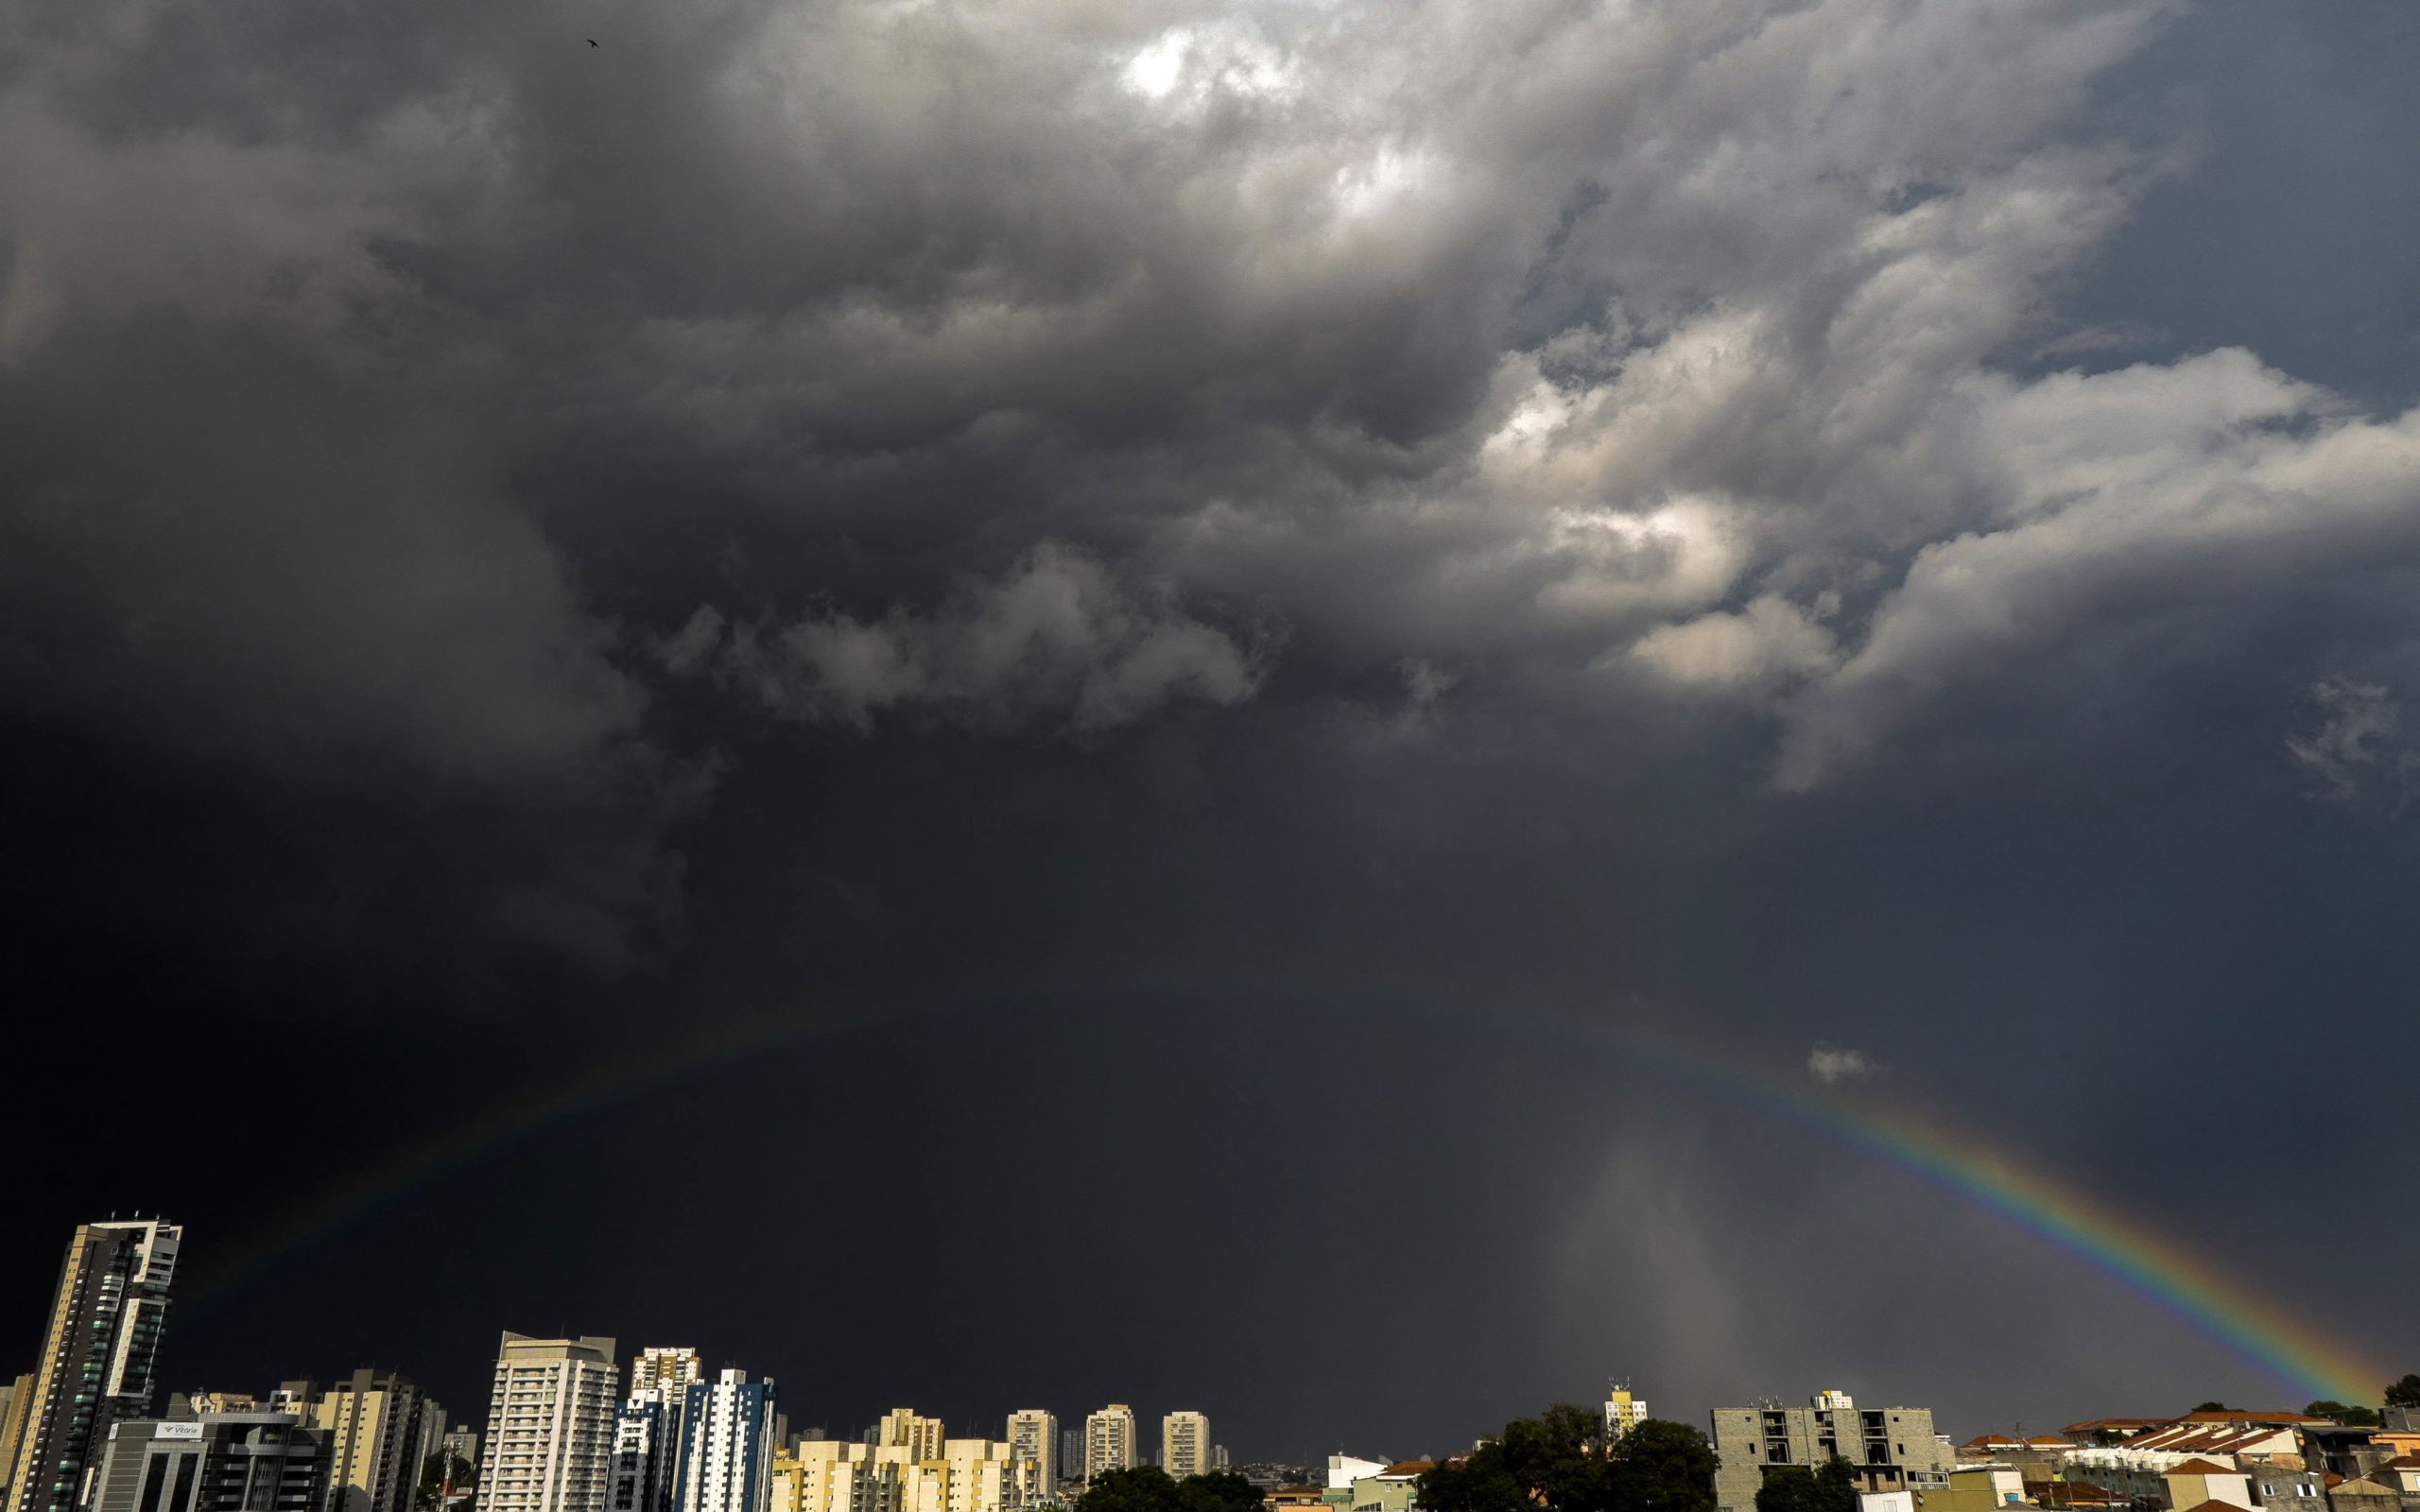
(644, 1449)
(1033, 1435)
(1185, 1444)
(726, 1447)
(551, 1426)
(1109, 1440)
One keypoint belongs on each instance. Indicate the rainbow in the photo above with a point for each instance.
(2030, 1200)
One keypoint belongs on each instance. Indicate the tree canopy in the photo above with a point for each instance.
(1796, 1489)
(2213, 1406)
(1559, 1462)
(2404, 1393)
(2337, 1412)
(1149, 1488)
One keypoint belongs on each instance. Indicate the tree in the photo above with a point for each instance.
(2404, 1393)
(1559, 1462)
(2337, 1412)
(432, 1479)
(2214, 1406)
(1149, 1488)
(1664, 1467)
(1796, 1489)
(1219, 1491)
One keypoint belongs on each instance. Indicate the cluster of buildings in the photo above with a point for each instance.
(566, 1431)
(2212, 1460)
(569, 1429)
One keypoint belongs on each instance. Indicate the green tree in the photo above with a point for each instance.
(1219, 1491)
(2404, 1393)
(1559, 1462)
(432, 1479)
(2214, 1406)
(1831, 1487)
(1144, 1488)
(1664, 1467)
(1149, 1488)
(2337, 1412)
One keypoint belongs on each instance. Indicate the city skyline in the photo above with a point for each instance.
(1337, 712)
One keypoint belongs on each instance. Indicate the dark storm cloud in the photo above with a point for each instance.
(1647, 504)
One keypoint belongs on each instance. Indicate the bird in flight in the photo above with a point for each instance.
(592, 42)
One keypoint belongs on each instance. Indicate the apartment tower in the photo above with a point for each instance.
(381, 1428)
(1185, 1444)
(1033, 1435)
(98, 1355)
(243, 1461)
(726, 1447)
(1109, 1440)
(551, 1426)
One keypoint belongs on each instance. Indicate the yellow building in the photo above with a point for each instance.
(919, 1474)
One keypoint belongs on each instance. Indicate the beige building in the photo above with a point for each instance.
(1109, 1440)
(549, 1440)
(13, 1407)
(904, 1427)
(1185, 1444)
(1033, 1435)
(957, 1475)
(381, 1428)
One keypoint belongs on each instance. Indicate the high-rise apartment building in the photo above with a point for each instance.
(1185, 1444)
(1887, 1448)
(97, 1356)
(1033, 1435)
(904, 1427)
(213, 1462)
(463, 1444)
(1623, 1411)
(668, 1370)
(1109, 1440)
(1071, 1454)
(551, 1426)
(381, 1430)
(726, 1443)
(645, 1452)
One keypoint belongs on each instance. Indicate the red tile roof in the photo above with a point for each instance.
(2200, 1467)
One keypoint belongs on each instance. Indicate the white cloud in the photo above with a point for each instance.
(1769, 641)
(1835, 1064)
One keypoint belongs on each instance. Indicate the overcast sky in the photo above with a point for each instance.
(1174, 564)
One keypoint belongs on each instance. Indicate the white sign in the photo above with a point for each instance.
(177, 1431)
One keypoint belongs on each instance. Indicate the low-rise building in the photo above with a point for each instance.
(1395, 1488)
(1887, 1448)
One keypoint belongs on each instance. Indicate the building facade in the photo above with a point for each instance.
(551, 1426)
(1033, 1435)
(1623, 1411)
(1889, 1449)
(381, 1430)
(644, 1449)
(1185, 1444)
(98, 1354)
(668, 1370)
(965, 1475)
(12, 1429)
(213, 1462)
(726, 1445)
(1109, 1440)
